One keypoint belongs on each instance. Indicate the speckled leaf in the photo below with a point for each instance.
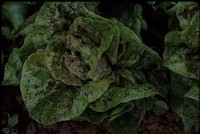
(79, 65)
(184, 110)
(32, 42)
(192, 97)
(13, 68)
(102, 35)
(48, 101)
(185, 11)
(181, 50)
(94, 90)
(50, 15)
(132, 52)
(122, 95)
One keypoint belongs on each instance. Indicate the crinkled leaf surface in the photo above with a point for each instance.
(122, 95)
(185, 12)
(74, 63)
(181, 56)
(181, 51)
(13, 68)
(36, 37)
(40, 90)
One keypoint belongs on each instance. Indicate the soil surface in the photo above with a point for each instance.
(12, 103)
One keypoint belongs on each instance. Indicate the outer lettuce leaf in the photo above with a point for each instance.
(133, 53)
(181, 51)
(192, 97)
(13, 67)
(98, 117)
(129, 120)
(185, 11)
(122, 95)
(184, 97)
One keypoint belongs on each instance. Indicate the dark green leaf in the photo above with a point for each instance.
(129, 121)
(13, 121)
(188, 124)
(15, 13)
(137, 10)
(122, 95)
(6, 130)
(143, 24)
(5, 31)
(98, 117)
(160, 107)
(149, 103)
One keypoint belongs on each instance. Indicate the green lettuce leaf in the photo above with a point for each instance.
(15, 13)
(129, 121)
(185, 97)
(181, 51)
(122, 95)
(74, 63)
(97, 117)
(40, 90)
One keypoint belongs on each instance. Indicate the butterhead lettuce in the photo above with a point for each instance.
(75, 64)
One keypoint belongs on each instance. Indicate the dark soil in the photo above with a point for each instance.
(12, 103)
